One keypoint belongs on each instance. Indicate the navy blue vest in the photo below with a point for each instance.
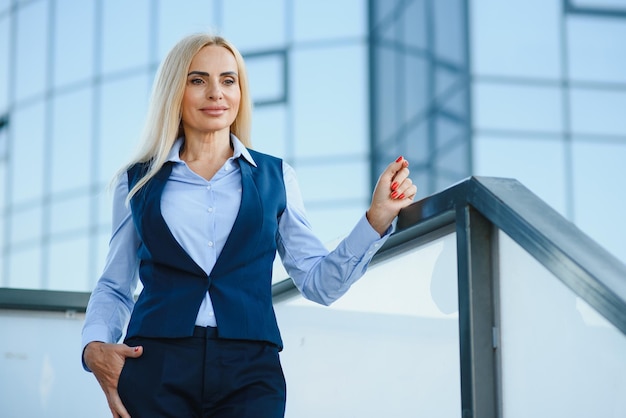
(240, 282)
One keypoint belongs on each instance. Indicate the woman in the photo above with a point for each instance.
(198, 217)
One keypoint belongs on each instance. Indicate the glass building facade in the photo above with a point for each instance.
(534, 90)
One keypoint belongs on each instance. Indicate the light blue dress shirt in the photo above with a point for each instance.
(200, 214)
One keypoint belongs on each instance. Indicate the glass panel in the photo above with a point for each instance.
(27, 153)
(345, 179)
(449, 27)
(125, 34)
(517, 107)
(331, 222)
(25, 268)
(264, 23)
(504, 43)
(595, 51)
(72, 140)
(4, 5)
(615, 5)
(599, 202)
(69, 215)
(66, 253)
(26, 224)
(267, 77)
(328, 19)
(41, 373)
(175, 21)
(389, 347)
(328, 88)
(124, 106)
(559, 357)
(268, 130)
(514, 157)
(74, 39)
(30, 65)
(598, 112)
(4, 66)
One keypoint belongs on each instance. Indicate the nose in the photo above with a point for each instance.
(214, 90)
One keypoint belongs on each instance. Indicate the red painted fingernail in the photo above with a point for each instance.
(401, 196)
(394, 194)
(399, 159)
(406, 163)
(136, 349)
(394, 185)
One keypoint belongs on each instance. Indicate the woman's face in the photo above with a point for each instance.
(212, 93)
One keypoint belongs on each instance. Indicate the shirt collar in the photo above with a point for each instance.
(239, 150)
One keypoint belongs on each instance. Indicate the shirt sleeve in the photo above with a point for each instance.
(321, 275)
(112, 299)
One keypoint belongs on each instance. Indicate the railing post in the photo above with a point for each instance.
(477, 339)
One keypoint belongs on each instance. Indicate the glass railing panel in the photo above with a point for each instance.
(40, 369)
(559, 357)
(388, 348)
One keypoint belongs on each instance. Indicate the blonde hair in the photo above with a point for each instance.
(163, 121)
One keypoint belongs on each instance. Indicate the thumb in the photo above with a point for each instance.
(396, 166)
(134, 352)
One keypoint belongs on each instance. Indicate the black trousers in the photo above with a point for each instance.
(203, 376)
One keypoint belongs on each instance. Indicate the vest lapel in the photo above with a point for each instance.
(243, 239)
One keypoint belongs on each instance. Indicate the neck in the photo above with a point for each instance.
(213, 146)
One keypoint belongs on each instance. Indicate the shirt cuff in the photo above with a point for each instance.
(94, 333)
(364, 241)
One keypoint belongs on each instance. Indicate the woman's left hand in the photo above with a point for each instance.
(394, 191)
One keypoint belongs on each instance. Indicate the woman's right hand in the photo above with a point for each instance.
(106, 362)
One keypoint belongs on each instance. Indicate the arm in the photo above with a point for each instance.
(324, 276)
(110, 305)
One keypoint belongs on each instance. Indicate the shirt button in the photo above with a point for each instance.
(210, 209)
(208, 187)
(227, 167)
(210, 243)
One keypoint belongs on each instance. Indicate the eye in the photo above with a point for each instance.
(229, 81)
(196, 81)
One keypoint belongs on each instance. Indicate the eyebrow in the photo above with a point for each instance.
(205, 74)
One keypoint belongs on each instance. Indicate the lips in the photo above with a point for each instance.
(214, 110)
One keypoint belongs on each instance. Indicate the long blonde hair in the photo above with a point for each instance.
(163, 121)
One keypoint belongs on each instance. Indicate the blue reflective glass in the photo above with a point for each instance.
(72, 252)
(267, 77)
(596, 51)
(177, 19)
(126, 34)
(25, 268)
(328, 19)
(74, 38)
(124, 105)
(599, 174)
(72, 138)
(4, 64)
(31, 44)
(517, 107)
(329, 97)
(28, 153)
(518, 38)
(598, 111)
(539, 164)
(69, 215)
(253, 25)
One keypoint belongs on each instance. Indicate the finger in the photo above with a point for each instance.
(133, 352)
(394, 167)
(404, 189)
(116, 406)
